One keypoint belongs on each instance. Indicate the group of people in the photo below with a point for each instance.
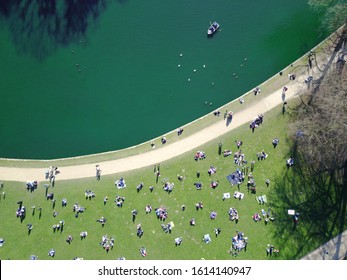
(59, 226)
(233, 214)
(199, 155)
(239, 242)
(31, 186)
(51, 173)
(211, 170)
(251, 185)
(119, 200)
(78, 209)
(257, 121)
(262, 155)
(21, 210)
(270, 250)
(167, 228)
(89, 194)
(256, 91)
(107, 242)
(161, 213)
(168, 187)
(239, 158)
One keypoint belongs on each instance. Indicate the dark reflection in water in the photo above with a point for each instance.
(39, 27)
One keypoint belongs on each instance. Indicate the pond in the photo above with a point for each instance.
(80, 79)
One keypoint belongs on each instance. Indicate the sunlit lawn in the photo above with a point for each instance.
(159, 245)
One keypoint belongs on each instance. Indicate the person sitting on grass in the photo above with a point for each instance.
(233, 214)
(83, 234)
(143, 251)
(227, 153)
(256, 217)
(102, 220)
(275, 142)
(214, 184)
(51, 253)
(148, 209)
(213, 215)
(211, 170)
(217, 231)
(290, 162)
(178, 241)
(198, 185)
(69, 239)
(199, 205)
(139, 231)
(64, 202)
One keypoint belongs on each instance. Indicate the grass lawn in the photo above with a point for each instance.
(160, 245)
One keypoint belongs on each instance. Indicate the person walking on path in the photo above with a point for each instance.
(284, 94)
(98, 172)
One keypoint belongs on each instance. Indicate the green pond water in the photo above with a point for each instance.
(106, 78)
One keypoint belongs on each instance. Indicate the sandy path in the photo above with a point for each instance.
(334, 249)
(157, 155)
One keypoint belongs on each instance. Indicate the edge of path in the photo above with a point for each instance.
(179, 147)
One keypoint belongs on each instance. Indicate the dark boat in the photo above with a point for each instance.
(213, 28)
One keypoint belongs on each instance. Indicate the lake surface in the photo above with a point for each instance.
(82, 81)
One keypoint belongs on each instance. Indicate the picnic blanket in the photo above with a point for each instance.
(120, 183)
(261, 199)
(235, 178)
(207, 238)
(226, 195)
(238, 195)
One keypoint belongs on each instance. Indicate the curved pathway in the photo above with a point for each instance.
(334, 249)
(158, 155)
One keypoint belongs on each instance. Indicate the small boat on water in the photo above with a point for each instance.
(213, 28)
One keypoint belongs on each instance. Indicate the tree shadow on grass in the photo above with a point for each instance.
(320, 204)
(39, 28)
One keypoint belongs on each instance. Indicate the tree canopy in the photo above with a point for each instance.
(335, 12)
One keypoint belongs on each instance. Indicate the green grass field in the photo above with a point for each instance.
(160, 245)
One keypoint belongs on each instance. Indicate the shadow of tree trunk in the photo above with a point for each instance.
(342, 40)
